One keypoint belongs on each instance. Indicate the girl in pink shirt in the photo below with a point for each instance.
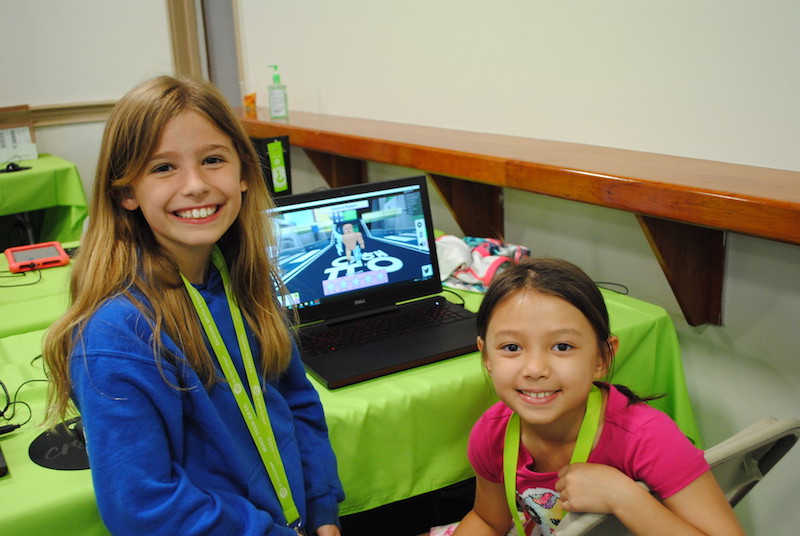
(543, 332)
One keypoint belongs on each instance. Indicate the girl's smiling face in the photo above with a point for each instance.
(543, 356)
(191, 190)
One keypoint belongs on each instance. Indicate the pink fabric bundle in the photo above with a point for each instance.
(471, 263)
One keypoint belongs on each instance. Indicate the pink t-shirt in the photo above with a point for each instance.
(639, 440)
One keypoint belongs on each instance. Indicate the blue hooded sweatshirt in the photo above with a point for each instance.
(169, 456)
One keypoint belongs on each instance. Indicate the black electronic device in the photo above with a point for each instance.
(358, 260)
(3, 464)
(62, 447)
(12, 167)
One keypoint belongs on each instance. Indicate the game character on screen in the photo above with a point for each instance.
(582, 444)
(175, 350)
(353, 242)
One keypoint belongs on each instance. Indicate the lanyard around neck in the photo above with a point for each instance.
(255, 412)
(583, 446)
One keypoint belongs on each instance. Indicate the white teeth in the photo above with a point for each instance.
(538, 395)
(197, 213)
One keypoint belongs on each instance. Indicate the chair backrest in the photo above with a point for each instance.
(738, 464)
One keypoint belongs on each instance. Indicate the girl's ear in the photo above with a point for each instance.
(128, 200)
(604, 363)
(244, 180)
(479, 342)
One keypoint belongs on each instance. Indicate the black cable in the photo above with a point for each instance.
(8, 428)
(456, 294)
(8, 398)
(11, 403)
(36, 358)
(21, 275)
(619, 288)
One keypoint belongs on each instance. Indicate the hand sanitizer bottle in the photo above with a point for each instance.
(278, 104)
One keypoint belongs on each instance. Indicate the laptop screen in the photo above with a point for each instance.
(351, 249)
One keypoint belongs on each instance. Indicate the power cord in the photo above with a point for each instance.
(21, 275)
(9, 411)
(8, 399)
(457, 295)
(619, 288)
(8, 428)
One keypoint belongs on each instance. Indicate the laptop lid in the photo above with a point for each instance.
(349, 250)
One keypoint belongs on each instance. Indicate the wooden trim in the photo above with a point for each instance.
(239, 38)
(762, 202)
(185, 38)
(66, 114)
(476, 207)
(384, 142)
(338, 170)
(693, 261)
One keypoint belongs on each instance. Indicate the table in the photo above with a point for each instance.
(53, 186)
(36, 500)
(395, 437)
(32, 300)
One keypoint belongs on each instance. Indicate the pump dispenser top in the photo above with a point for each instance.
(278, 103)
(276, 77)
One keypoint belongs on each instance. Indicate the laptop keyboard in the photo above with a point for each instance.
(380, 327)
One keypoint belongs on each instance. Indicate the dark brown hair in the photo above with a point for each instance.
(560, 278)
(555, 277)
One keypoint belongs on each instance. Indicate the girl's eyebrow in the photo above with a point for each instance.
(217, 146)
(506, 332)
(559, 332)
(166, 155)
(567, 331)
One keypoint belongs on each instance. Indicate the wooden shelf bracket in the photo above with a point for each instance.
(693, 260)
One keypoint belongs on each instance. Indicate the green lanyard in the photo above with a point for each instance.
(255, 412)
(583, 446)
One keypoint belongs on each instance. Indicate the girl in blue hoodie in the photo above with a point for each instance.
(198, 415)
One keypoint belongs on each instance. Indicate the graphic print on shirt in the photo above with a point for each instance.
(542, 507)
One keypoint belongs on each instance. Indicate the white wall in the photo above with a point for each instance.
(80, 51)
(711, 79)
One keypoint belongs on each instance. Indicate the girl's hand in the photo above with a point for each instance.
(595, 488)
(600, 489)
(328, 530)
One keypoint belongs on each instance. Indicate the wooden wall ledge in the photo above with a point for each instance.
(684, 205)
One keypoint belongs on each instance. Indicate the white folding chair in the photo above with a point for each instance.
(738, 463)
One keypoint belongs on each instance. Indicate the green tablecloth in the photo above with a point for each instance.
(52, 186)
(395, 437)
(32, 300)
(38, 501)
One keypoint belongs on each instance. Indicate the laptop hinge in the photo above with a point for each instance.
(363, 314)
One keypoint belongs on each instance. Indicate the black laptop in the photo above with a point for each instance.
(360, 269)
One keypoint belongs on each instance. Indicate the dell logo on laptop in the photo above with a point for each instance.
(362, 301)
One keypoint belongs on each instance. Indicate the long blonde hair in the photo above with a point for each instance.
(119, 254)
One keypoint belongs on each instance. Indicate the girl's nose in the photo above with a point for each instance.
(536, 365)
(194, 182)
